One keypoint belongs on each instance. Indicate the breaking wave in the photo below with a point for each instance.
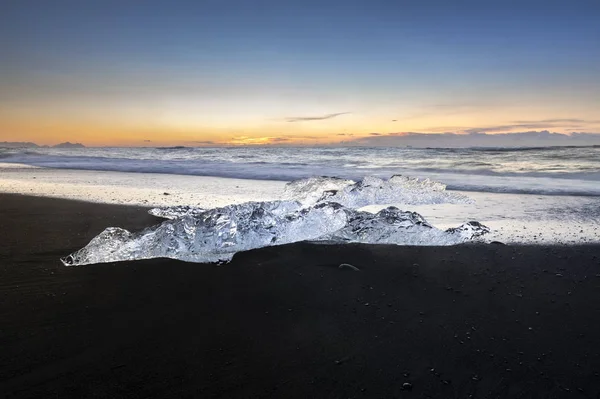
(547, 170)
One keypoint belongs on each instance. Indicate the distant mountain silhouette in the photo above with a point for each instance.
(69, 145)
(17, 144)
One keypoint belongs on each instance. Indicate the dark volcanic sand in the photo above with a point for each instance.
(486, 321)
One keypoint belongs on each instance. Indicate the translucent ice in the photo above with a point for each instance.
(311, 190)
(393, 226)
(469, 230)
(175, 212)
(217, 234)
(316, 209)
(372, 191)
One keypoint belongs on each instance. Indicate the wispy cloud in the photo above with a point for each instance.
(315, 118)
(477, 139)
(248, 140)
(202, 142)
(559, 120)
(565, 124)
(283, 140)
(505, 128)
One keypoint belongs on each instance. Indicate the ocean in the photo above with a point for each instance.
(548, 171)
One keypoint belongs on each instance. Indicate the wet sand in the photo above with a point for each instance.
(490, 321)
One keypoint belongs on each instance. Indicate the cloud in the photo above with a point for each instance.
(477, 139)
(147, 141)
(203, 142)
(283, 140)
(315, 118)
(563, 123)
(504, 128)
(564, 120)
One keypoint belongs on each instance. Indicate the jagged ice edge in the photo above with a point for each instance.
(217, 234)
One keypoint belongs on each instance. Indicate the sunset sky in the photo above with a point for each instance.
(211, 72)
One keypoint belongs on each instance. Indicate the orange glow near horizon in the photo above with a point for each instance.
(176, 122)
(45, 130)
(159, 112)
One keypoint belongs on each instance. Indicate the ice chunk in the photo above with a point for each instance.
(394, 226)
(309, 191)
(217, 234)
(372, 191)
(317, 209)
(112, 243)
(469, 230)
(175, 212)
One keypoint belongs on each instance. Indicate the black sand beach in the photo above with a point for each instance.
(479, 321)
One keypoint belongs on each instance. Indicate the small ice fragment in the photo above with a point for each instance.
(175, 212)
(469, 230)
(349, 266)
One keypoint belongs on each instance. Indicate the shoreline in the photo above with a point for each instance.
(482, 320)
(132, 188)
(514, 218)
(15, 168)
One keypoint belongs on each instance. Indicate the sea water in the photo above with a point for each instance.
(546, 170)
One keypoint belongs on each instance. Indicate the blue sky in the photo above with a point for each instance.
(224, 69)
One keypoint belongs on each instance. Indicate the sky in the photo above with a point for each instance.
(241, 72)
